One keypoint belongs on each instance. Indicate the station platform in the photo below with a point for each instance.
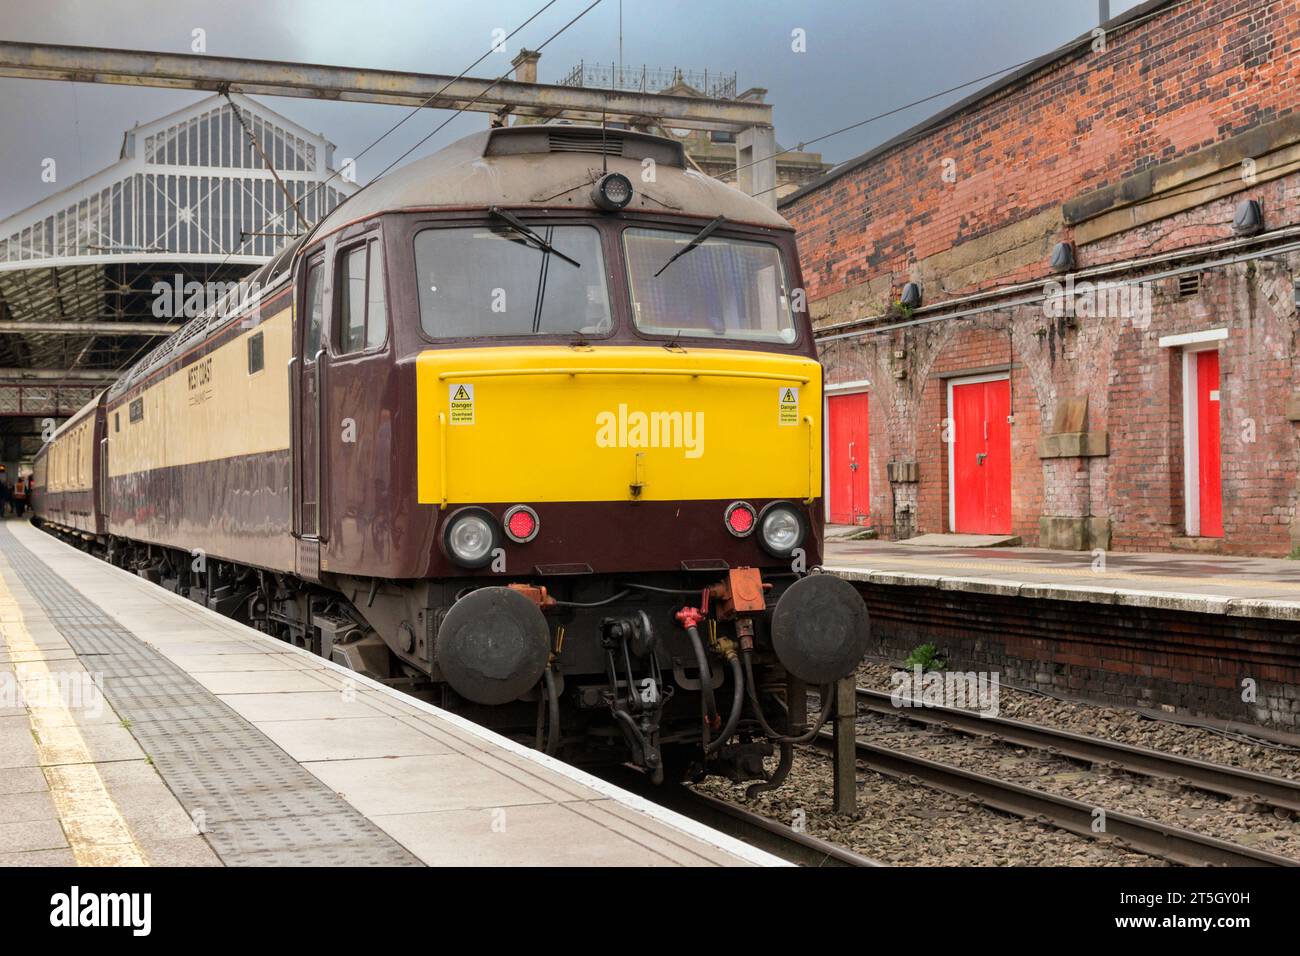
(1190, 636)
(1198, 583)
(139, 728)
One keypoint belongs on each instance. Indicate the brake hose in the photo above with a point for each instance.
(828, 701)
(708, 706)
(737, 704)
(553, 712)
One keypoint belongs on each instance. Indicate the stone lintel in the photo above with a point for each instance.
(1074, 445)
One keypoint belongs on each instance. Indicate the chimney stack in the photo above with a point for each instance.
(525, 64)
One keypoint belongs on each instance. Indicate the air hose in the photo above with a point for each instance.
(708, 705)
(552, 713)
(737, 705)
(828, 701)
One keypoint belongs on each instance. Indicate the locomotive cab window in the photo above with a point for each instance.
(710, 288)
(362, 299)
(497, 280)
(314, 306)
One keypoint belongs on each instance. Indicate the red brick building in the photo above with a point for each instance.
(1143, 396)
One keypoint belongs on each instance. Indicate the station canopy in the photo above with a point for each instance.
(191, 199)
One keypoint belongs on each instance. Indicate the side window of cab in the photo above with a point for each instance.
(313, 310)
(362, 303)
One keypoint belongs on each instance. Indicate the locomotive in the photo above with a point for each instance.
(530, 428)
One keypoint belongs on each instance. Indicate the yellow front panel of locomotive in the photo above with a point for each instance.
(553, 423)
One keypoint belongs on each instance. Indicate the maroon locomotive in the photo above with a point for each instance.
(531, 427)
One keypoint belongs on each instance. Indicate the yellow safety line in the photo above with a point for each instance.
(90, 819)
(1083, 574)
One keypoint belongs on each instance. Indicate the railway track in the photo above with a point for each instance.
(801, 849)
(1186, 771)
(1175, 844)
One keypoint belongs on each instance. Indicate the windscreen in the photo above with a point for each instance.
(485, 281)
(721, 288)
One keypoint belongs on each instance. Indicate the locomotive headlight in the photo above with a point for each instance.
(612, 192)
(780, 529)
(469, 537)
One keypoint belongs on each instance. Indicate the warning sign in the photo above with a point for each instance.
(787, 405)
(461, 400)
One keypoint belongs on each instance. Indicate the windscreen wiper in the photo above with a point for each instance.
(699, 238)
(521, 227)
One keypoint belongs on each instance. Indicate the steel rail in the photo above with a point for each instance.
(1186, 771)
(1120, 829)
(801, 849)
(789, 844)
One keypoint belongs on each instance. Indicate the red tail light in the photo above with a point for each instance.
(740, 518)
(521, 523)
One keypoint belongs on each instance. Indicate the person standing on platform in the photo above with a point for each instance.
(20, 496)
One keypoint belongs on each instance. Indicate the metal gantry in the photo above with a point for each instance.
(45, 61)
(192, 190)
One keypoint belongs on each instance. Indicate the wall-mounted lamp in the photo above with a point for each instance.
(1248, 218)
(1062, 257)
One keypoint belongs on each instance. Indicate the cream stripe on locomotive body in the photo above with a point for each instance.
(210, 408)
(464, 438)
(199, 453)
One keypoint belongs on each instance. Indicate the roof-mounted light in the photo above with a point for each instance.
(612, 192)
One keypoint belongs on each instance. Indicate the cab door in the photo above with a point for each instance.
(359, 402)
(307, 417)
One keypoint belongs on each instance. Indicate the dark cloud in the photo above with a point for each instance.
(862, 58)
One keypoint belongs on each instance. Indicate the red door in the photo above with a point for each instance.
(981, 457)
(1207, 443)
(850, 476)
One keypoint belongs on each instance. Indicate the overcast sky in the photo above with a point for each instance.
(863, 57)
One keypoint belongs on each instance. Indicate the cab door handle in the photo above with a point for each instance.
(980, 456)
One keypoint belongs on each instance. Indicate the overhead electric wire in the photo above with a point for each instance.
(499, 79)
(414, 110)
(319, 186)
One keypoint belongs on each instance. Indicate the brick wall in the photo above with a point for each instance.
(1173, 85)
(1062, 155)
(1136, 657)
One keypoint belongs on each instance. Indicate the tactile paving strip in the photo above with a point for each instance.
(257, 806)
